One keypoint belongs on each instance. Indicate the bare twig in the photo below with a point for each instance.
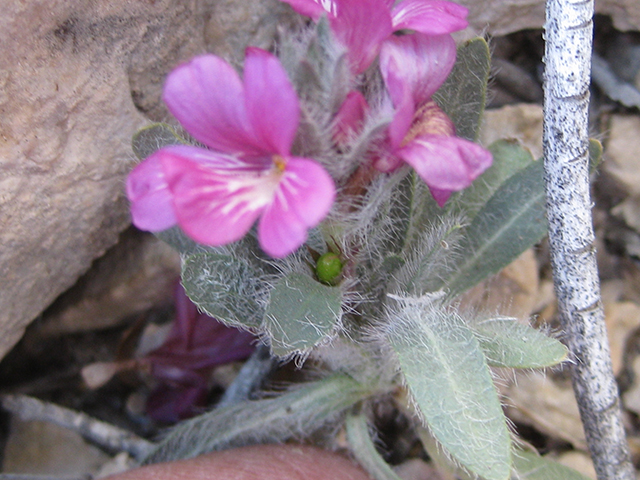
(102, 434)
(250, 378)
(569, 32)
(615, 88)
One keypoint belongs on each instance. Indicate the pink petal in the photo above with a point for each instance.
(385, 158)
(313, 8)
(402, 99)
(207, 98)
(432, 17)
(361, 26)
(350, 117)
(217, 205)
(148, 192)
(271, 102)
(420, 62)
(446, 163)
(440, 196)
(304, 197)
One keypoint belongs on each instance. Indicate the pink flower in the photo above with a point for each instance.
(349, 118)
(420, 134)
(215, 195)
(363, 25)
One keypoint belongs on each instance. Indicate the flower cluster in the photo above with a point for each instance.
(248, 171)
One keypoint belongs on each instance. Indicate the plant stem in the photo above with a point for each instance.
(568, 34)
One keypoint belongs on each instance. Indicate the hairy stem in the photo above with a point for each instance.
(568, 33)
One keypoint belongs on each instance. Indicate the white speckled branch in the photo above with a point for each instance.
(568, 35)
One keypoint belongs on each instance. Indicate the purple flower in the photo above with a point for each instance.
(420, 134)
(362, 26)
(248, 173)
(183, 364)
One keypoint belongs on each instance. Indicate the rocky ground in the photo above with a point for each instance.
(123, 305)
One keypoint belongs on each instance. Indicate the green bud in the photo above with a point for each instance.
(328, 268)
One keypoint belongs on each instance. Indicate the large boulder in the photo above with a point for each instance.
(500, 17)
(77, 79)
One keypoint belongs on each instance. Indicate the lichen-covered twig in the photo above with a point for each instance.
(107, 436)
(568, 33)
(250, 378)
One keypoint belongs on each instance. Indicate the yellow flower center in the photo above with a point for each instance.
(429, 119)
(279, 163)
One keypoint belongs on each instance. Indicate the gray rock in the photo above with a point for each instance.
(500, 17)
(77, 79)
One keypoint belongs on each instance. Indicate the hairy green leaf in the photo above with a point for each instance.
(510, 222)
(224, 287)
(364, 450)
(595, 154)
(507, 343)
(297, 413)
(463, 95)
(531, 466)
(509, 157)
(301, 313)
(451, 384)
(153, 137)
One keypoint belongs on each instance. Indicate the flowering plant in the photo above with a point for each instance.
(354, 151)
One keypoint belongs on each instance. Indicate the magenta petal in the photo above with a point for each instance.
(432, 17)
(361, 26)
(304, 197)
(350, 116)
(420, 62)
(216, 206)
(402, 99)
(440, 196)
(207, 98)
(446, 163)
(148, 192)
(313, 8)
(271, 102)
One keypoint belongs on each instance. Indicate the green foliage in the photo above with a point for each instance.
(595, 154)
(295, 413)
(400, 249)
(364, 450)
(509, 223)
(301, 313)
(509, 157)
(224, 287)
(149, 139)
(451, 385)
(531, 466)
(512, 220)
(507, 343)
(463, 95)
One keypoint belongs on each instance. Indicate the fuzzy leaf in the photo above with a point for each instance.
(177, 239)
(510, 222)
(364, 450)
(595, 154)
(153, 137)
(463, 95)
(509, 157)
(451, 385)
(297, 413)
(301, 313)
(224, 287)
(507, 343)
(531, 466)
